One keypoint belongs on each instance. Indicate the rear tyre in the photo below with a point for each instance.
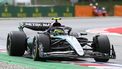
(16, 43)
(101, 44)
(41, 45)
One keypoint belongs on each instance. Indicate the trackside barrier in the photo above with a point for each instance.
(20, 11)
(118, 10)
(81, 11)
(54, 11)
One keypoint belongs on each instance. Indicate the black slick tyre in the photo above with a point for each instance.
(45, 41)
(101, 44)
(16, 43)
(41, 45)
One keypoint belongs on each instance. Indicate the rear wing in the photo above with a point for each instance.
(37, 26)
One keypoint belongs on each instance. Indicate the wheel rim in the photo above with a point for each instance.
(34, 49)
(41, 50)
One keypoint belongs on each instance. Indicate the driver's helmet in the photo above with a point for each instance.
(58, 32)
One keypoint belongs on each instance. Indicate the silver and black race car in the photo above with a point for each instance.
(57, 41)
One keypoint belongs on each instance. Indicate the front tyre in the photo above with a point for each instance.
(41, 45)
(101, 44)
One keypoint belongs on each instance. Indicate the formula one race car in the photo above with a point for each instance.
(57, 41)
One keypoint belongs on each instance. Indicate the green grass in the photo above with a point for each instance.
(29, 63)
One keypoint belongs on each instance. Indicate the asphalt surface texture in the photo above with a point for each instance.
(78, 25)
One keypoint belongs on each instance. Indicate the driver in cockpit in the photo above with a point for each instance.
(57, 24)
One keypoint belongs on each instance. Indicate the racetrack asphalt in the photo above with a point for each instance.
(78, 25)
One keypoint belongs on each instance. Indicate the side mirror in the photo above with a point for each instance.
(83, 33)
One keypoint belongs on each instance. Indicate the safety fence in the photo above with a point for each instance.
(20, 11)
(118, 10)
(52, 11)
(83, 11)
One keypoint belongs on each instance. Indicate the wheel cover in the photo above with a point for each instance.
(41, 50)
(34, 49)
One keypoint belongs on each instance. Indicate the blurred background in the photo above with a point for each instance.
(51, 8)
